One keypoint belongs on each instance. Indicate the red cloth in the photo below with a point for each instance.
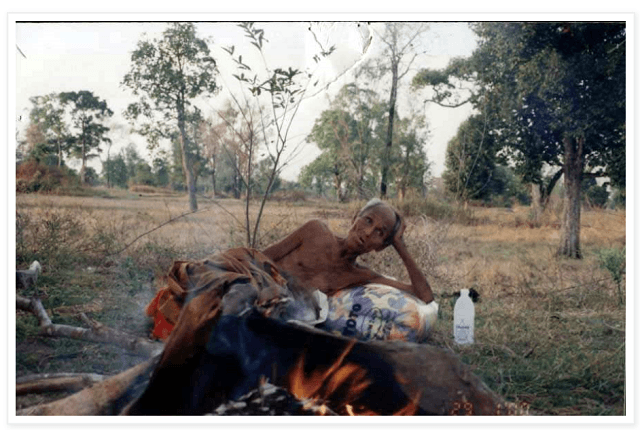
(165, 311)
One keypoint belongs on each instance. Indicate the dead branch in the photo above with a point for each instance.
(98, 333)
(98, 399)
(46, 383)
(154, 229)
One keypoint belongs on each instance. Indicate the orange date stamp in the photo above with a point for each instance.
(508, 409)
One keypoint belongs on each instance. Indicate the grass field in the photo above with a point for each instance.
(550, 333)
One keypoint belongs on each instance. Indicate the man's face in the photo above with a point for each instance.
(371, 228)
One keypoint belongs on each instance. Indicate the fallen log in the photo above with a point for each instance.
(46, 383)
(97, 332)
(103, 398)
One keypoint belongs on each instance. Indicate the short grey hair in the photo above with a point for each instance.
(370, 204)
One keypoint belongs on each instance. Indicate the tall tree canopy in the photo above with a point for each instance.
(555, 96)
(400, 41)
(470, 160)
(87, 131)
(351, 135)
(167, 75)
(48, 133)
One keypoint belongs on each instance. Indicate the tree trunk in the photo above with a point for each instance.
(186, 163)
(541, 194)
(386, 159)
(536, 201)
(213, 175)
(84, 164)
(570, 236)
(337, 183)
(59, 154)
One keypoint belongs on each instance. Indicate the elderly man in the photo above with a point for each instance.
(318, 259)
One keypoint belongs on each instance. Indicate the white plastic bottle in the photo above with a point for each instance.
(463, 316)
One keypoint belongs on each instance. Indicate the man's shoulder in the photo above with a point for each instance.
(317, 224)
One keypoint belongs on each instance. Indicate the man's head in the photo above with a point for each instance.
(378, 223)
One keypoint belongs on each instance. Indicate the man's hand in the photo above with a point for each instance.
(397, 238)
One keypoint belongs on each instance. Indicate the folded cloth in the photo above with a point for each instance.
(380, 312)
(233, 282)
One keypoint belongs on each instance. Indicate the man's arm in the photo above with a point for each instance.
(419, 286)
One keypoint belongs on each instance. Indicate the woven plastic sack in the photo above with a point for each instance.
(380, 312)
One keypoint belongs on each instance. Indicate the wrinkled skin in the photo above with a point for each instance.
(319, 259)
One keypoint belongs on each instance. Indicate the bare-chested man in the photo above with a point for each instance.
(318, 259)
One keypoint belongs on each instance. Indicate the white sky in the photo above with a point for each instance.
(73, 56)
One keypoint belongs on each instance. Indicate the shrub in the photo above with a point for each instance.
(613, 260)
(32, 177)
(435, 209)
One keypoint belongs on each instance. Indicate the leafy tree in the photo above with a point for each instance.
(349, 135)
(400, 41)
(470, 160)
(410, 165)
(213, 133)
(167, 75)
(48, 132)
(86, 132)
(91, 176)
(320, 175)
(594, 194)
(116, 170)
(36, 147)
(331, 136)
(263, 171)
(143, 174)
(131, 158)
(161, 171)
(277, 95)
(557, 92)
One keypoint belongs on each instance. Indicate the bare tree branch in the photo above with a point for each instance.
(154, 229)
(98, 332)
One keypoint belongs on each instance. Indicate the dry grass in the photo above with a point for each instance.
(549, 332)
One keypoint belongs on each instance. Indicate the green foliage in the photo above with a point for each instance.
(409, 166)
(506, 188)
(115, 171)
(538, 82)
(555, 95)
(594, 194)
(401, 42)
(435, 209)
(53, 240)
(161, 171)
(470, 160)
(87, 132)
(48, 133)
(614, 261)
(351, 136)
(318, 175)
